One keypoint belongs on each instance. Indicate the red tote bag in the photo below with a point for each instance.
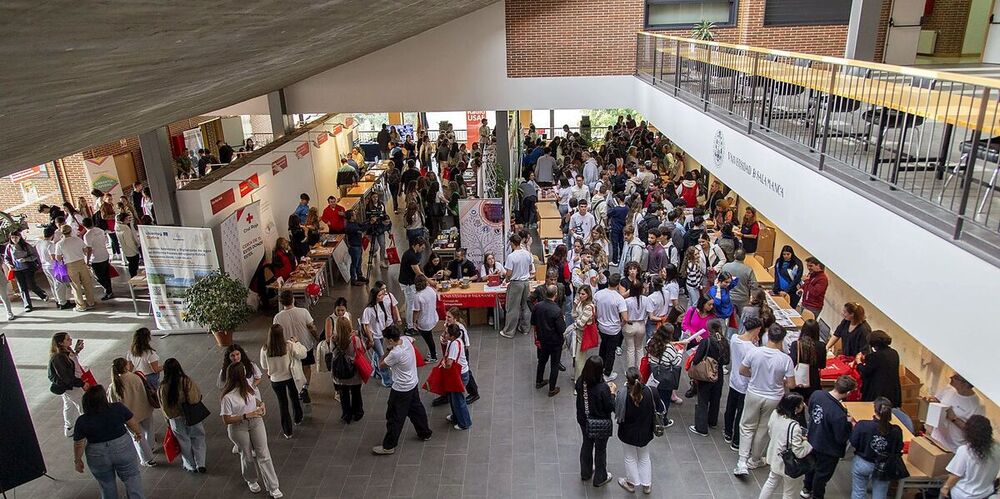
(391, 253)
(171, 447)
(361, 362)
(416, 353)
(644, 369)
(590, 338)
(444, 380)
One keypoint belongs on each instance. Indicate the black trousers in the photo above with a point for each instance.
(609, 342)
(550, 356)
(133, 265)
(27, 283)
(103, 272)
(404, 405)
(594, 459)
(734, 412)
(394, 194)
(429, 339)
(706, 413)
(815, 481)
(116, 248)
(352, 408)
(285, 390)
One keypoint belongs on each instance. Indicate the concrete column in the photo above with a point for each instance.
(281, 121)
(503, 147)
(160, 175)
(862, 32)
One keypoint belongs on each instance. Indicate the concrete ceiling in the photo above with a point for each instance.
(79, 74)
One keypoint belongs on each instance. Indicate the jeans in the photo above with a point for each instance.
(250, 438)
(352, 407)
(191, 440)
(285, 390)
(103, 272)
(394, 194)
(816, 480)
(518, 314)
(734, 412)
(650, 329)
(617, 243)
(789, 486)
(861, 472)
(593, 456)
(379, 349)
(693, 294)
(144, 447)
(706, 412)
(412, 234)
(528, 210)
(609, 342)
(107, 460)
(753, 426)
(355, 252)
(404, 405)
(133, 264)
(459, 408)
(633, 334)
(27, 284)
(638, 468)
(409, 294)
(550, 356)
(665, 394)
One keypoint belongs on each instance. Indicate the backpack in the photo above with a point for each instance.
(341, 367)
(650, 222)
(691, 237)
(724, 354)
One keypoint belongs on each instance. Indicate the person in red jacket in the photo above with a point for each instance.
(333, 215)
(688, 190)
(813, 286)
(282, 261)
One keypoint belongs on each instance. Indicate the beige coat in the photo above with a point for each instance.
(193, 397)
(133, 396)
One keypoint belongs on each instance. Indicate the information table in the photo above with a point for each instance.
(360, 189)
(548, 228)
(298, 282)
(784, 311)
(478, 295)
(348, 202)
(547, 209)
(324, 250)
(759, 272)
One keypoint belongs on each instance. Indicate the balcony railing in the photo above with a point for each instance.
(370, 135)
(925, 139)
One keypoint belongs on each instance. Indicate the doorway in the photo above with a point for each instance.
(955, 36)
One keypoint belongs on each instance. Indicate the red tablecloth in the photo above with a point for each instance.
(472, 299)
(839, 366)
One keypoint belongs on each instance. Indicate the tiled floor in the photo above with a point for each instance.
(522, 443)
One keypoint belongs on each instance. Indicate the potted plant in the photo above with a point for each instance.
(218, 302)
(703, 31)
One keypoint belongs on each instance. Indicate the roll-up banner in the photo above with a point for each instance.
(176, 258)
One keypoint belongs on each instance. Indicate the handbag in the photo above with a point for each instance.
(193, 413)
(391, 252)
(795, 466)
(595, 428)
(171, 447)
(590, 338)
(443, 380)
(707, 370)
(667, 376)
(659, 418)
(151, 396)
(60, 272)
(362, 364)
(112, 271)
(890, 467)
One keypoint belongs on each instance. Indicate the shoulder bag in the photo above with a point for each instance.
(151, 396)
(659, 418)
(595, 428)
(794, 465)
(890, 467)
(707, 370)
(193, 413)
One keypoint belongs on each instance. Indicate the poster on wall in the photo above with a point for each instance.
(243, 246)
(176, 258)
(473, 120)
(482, 226)
(103, 174)
(269, 229)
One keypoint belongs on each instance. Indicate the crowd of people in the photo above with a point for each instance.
(651, 276)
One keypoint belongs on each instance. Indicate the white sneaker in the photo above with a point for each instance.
(254, 487)
(756, 463)
(276, 494)
(507, 335)
(805, 494)
(236, 449)
(741, 469)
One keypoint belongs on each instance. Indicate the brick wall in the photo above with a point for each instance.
(948, 18)
(125, 145)
(598, 37)
(883, 30)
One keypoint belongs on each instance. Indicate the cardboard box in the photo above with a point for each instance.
(936, 414)
(927, 457)
(910, 385)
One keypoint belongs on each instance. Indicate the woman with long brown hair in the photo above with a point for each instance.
(413, 221)
(875, 440)
(64, 364)
(129, 389)
(143, 356)
(346, 343)
(635, 410)
(243, 412)
(808, 349)
(281, 360)
(282, 260)
(176, 390)
(853, 331)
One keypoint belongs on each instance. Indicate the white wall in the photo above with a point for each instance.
(942, 295)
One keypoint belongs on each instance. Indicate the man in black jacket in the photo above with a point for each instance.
(829, 430)
(383, 139)
(549, 323)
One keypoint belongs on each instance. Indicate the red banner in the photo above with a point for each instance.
(472, 300)
(302, 150)
(279, 164)
(473, 120)
(349, 121)
(337, 129)
(222, 201)
(249, 185)
(321, 139)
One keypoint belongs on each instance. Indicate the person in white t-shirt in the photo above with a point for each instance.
(971, 473)
(962, 402)
(662, 298)
(425, 316)
(242, 411)
(73, 252)
(144, 358)
(612, 312)
(771, 373)
(520, 269)
(381, 312)
(46, 249)
(96, 240)
(582, 222)
(452, 318)
(455, 352)
(404, 397)
(739, 347)
(298, 323)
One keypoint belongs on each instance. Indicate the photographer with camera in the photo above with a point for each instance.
(376, 225)
(353, 233)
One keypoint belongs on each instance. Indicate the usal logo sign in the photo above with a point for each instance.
(719, 148)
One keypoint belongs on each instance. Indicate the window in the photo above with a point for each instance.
(685, 13)
(804, 12)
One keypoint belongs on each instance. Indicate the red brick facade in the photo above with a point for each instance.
(948, 18)
(588, 38)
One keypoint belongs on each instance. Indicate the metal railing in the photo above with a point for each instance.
(370, 135)
(926, 138)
